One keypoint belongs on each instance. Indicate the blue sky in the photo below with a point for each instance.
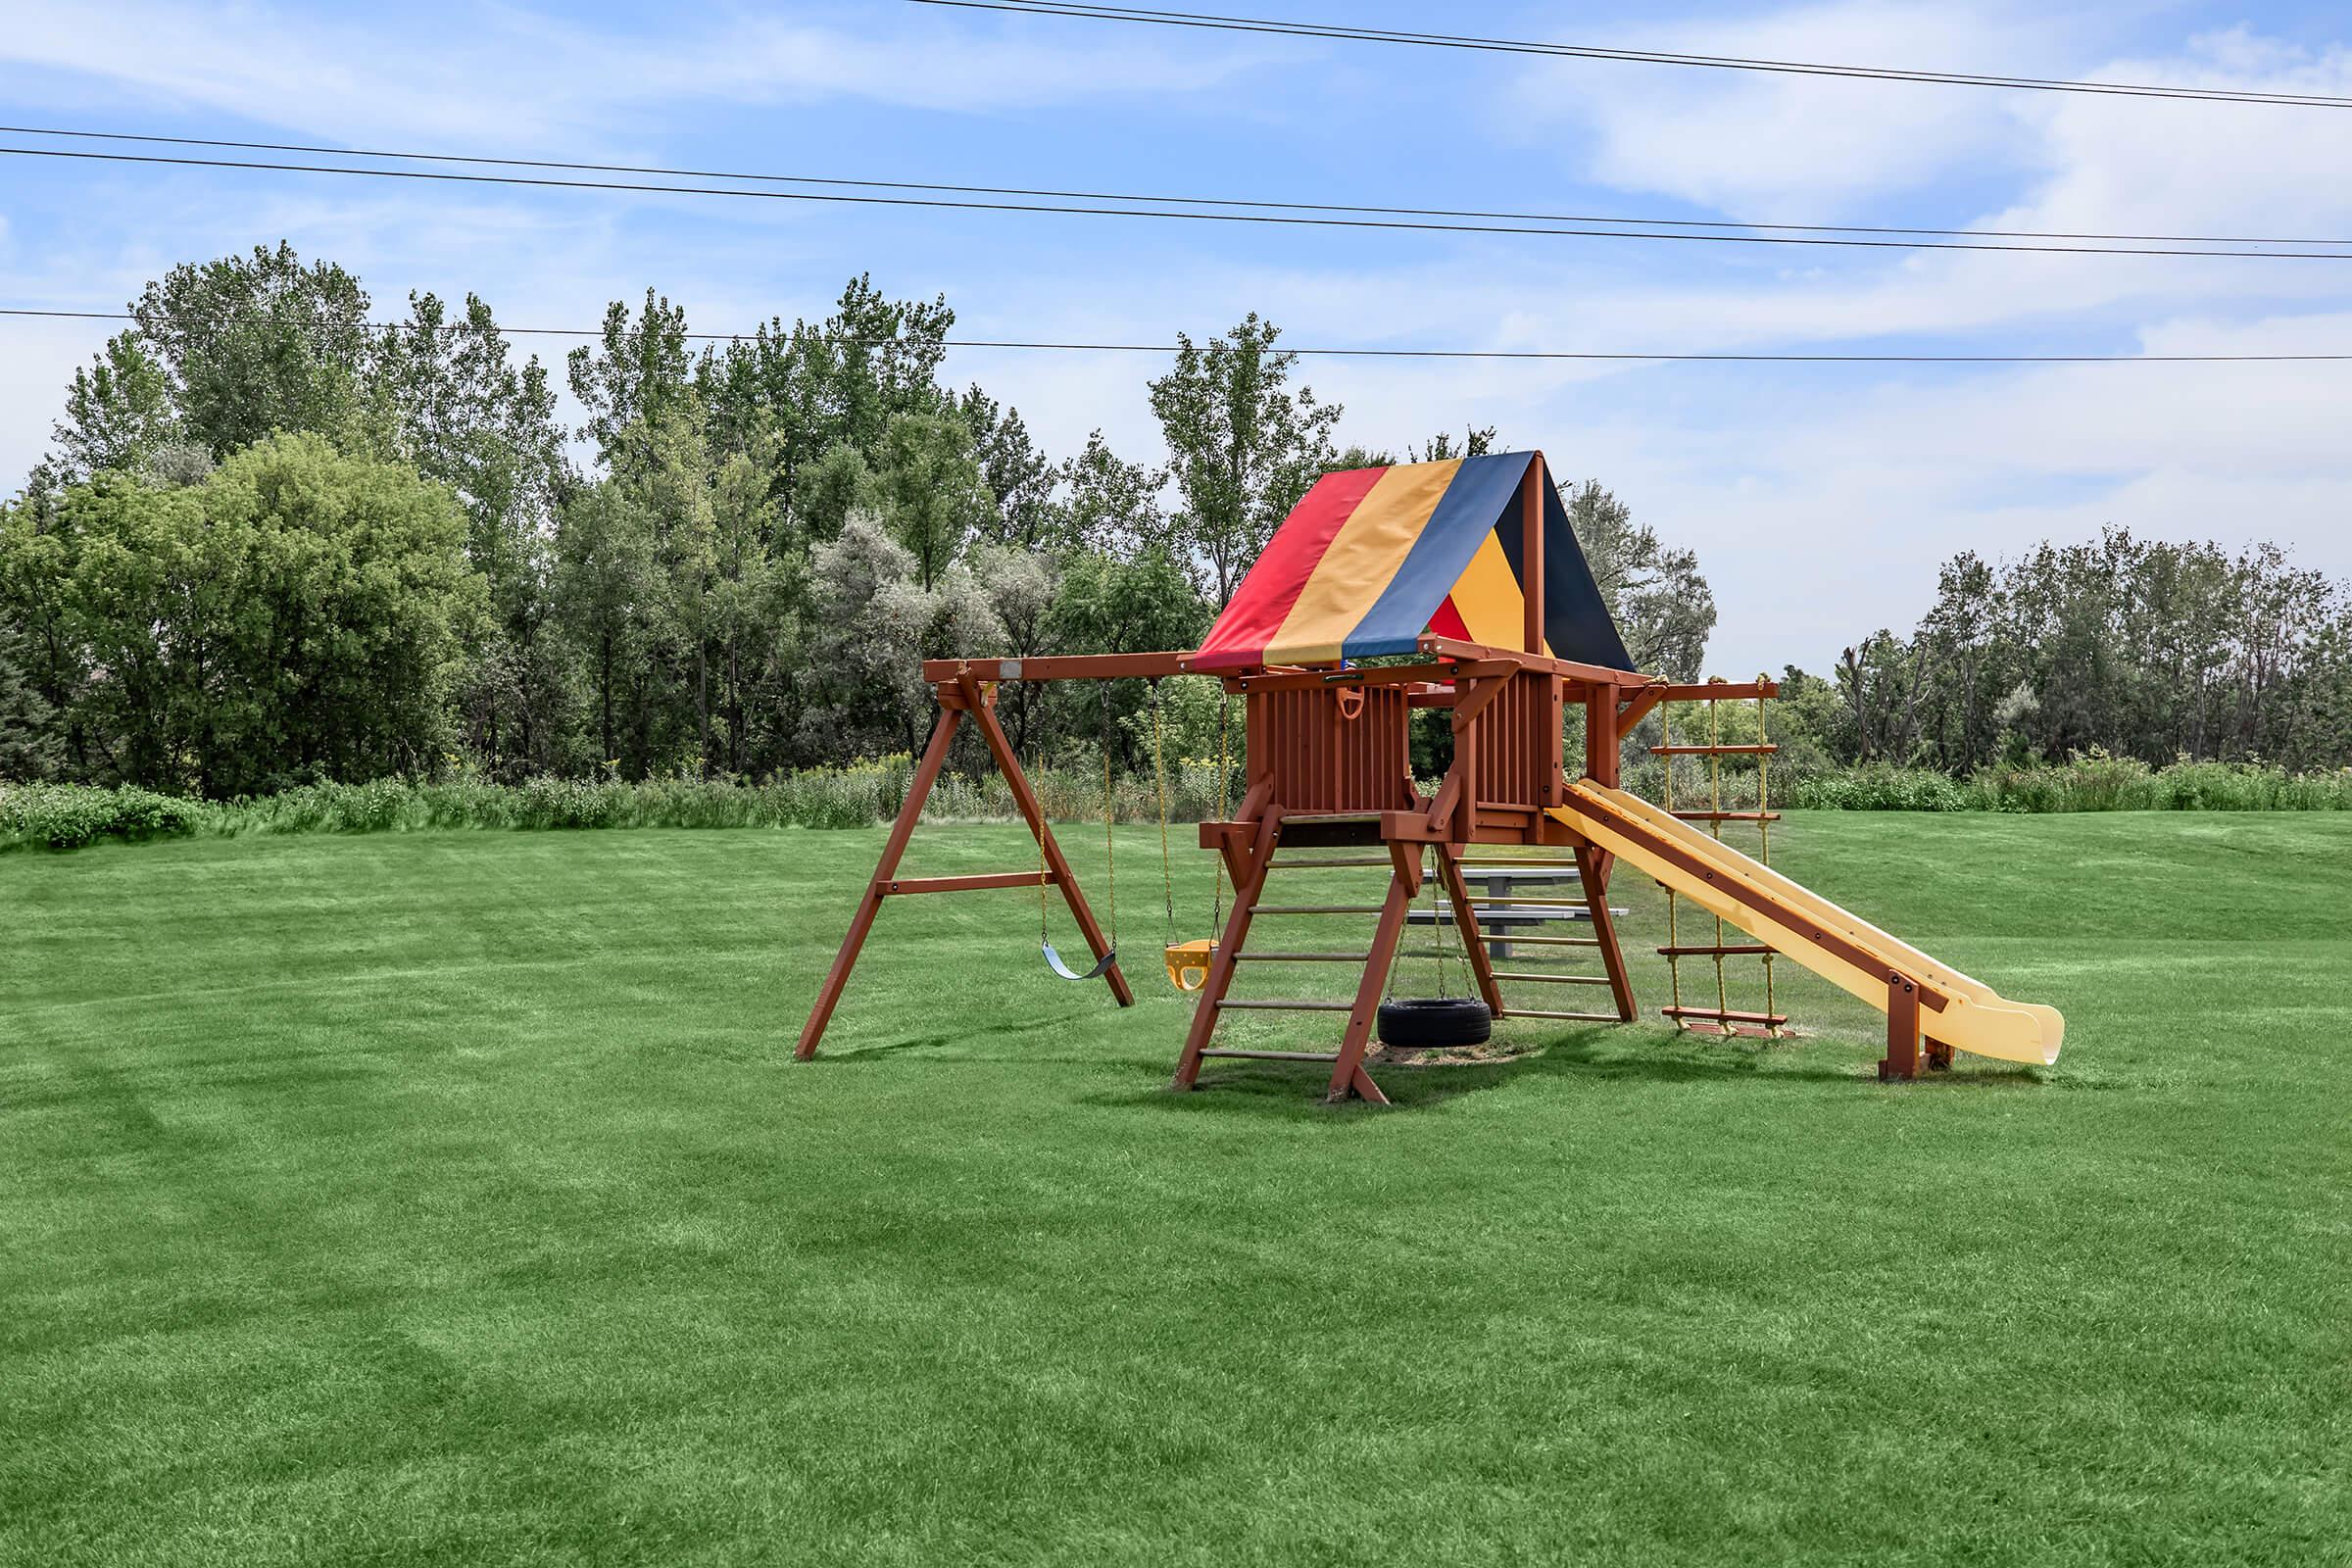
(1819, 499)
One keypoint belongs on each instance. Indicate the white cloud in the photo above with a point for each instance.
(1807, 146)
(521, 78)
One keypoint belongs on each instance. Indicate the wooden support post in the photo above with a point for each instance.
(1602, 746)
(869, 903)
(1348, 1075)
(1248, 880)
(1902, 1028)
(1531, 554)
(1000, 746)
(1603, 752)
(1594, 875)
(1465, 923)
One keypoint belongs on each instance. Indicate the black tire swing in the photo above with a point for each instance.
(1439, 1023)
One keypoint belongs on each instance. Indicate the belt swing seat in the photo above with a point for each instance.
(1187, 962)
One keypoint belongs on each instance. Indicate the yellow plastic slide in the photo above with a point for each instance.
(1975, 1018)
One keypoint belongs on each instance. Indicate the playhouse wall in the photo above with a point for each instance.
(1320, 760)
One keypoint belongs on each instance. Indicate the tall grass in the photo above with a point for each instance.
(64, 817)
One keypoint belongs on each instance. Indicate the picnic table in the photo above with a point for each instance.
(1496, 910)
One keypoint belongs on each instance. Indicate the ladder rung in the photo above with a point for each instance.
(1313, 865)
(1553, 979)
(1558, 862)
(1270, 1055)
(1572, 1017)
(1315, 909)
(1540, 942)
(1765, 749)
(1290, 1007)
(1303, 957)
(1728, 817)
(1721, 1016)
(1736, 949)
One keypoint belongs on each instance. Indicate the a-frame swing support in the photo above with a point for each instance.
(959, 698)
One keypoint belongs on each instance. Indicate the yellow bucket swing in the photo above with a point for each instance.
(1187, 961)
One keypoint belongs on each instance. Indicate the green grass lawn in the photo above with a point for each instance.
(451, 1197)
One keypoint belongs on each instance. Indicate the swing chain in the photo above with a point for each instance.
(1159, 774)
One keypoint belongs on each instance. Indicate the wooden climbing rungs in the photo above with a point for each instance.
(1289, 1007)
(1539, 942)
(1324, 866)
(1315, 909)
(1537, 978)
(1752, 950)
(1765, 749)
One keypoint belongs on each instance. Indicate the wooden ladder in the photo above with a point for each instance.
(1251, 865)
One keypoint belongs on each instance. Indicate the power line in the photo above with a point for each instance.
(1654, 57)
(1117, 196)
(1281, 218)
(1394, 354)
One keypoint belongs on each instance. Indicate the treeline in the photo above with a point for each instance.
(275, 543)
(2134, 647)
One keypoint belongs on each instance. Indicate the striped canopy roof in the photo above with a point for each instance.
(1370, 558)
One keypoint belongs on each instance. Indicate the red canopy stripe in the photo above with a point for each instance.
(1264, 599)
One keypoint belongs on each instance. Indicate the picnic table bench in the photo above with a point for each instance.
(1506, 905)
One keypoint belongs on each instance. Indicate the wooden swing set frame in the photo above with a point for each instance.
(1329, 765)
(1329, 768)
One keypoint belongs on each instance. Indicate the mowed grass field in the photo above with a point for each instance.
(451, 1197)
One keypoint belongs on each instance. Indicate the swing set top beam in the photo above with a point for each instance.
(1446, 656)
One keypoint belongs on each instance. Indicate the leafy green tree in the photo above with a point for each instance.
(1020, 586)
(30, 746)
(604, 591)
(251, 345)
(931, 489)
(755, 597)
(1244, 447)
(1019, 476)
(873, 623)
(836, 484)
(1113, 505)
(300, 615)
(1476, 442)
(475, 419)
(1108, 606)
(636, 377)
(816, 386)
(119, 411)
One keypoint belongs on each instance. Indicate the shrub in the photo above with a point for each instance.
(66, 817)
(1882, 788)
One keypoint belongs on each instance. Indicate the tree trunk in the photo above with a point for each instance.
(604, 693)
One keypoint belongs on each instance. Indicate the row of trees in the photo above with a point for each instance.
(2143, 648)
(275, 541)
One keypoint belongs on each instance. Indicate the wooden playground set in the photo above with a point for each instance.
(1464, 577)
